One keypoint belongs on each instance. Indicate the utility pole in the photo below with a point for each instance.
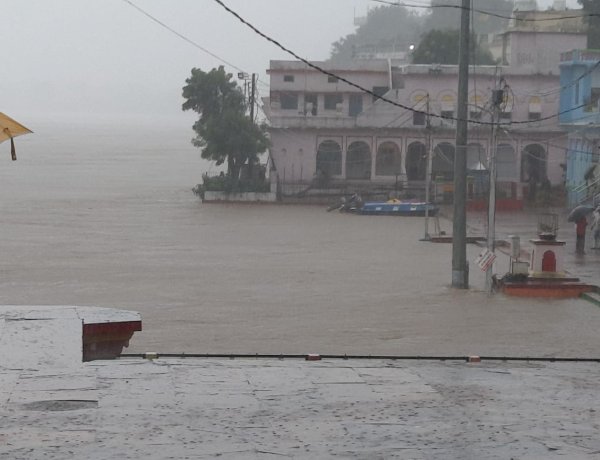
(427, 237)
(252, 97)
(460, 267)
(497, 100)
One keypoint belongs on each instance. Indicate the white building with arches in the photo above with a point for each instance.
(321, 126)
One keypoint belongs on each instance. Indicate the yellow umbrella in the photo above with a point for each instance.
(9, 129)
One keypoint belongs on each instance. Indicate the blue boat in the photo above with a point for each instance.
(398, 208)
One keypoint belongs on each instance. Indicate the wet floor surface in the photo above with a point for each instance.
(53, 406)
(261, 409)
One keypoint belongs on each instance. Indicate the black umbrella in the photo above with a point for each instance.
(579, 212)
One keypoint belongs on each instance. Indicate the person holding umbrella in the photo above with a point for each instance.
(578, 215)
(580, 227)
(596, 227)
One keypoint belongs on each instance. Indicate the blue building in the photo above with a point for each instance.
(580, 115)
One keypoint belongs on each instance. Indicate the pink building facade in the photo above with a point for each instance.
(322, 127)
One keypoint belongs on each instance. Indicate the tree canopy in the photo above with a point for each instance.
(223, 130)
(389, 27)
(443, 17)
(593, 22)
(441, 47)
(385, 27)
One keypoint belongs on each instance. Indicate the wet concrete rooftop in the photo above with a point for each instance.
(52, 405)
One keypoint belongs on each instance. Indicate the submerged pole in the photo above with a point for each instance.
(460, 269)
(427, 237)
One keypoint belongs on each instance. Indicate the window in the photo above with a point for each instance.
(275, 99)
(358, 161)
(379, 91)
(594, 99)
(475, 115)
(442, 163)
(331, 79)
(419, 118)
(506, 163)
(329, 159)
(535, 108)
(332, 100)
(447, 115)
(505, 116)
(288, 78)
(388, 161)
(447, 108)
(416, 161)
(289, 101)
(311, 104)
(356, 105)
(533, 163)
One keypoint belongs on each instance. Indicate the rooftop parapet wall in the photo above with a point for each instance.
(580, 56)
(571, 21)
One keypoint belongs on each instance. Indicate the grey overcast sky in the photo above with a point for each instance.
(104, 57)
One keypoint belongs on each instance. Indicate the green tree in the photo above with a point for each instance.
(223, 130)
(593, 22)
(396, 27)
(444, 17)
(441, 47)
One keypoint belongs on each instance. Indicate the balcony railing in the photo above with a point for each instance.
(310, 121)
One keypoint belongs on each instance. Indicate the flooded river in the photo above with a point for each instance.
(104, 215)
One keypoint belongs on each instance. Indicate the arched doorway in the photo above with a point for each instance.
(506, 163)
(549, 262)
(442, 164)
(358, 161)
(534, 167)
(477, 170)
(329, 159)
(388, 161)
(533, 163)
(476, 157)
(416, 161)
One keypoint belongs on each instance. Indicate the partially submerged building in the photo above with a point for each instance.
(378, 131)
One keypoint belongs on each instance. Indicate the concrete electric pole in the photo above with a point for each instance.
(460, 267)
(252, 97)
(497, 100)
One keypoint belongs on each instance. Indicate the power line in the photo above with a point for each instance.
(555, 90)
(365, 90)
(570, 84)
(488, 13)
(183, 37)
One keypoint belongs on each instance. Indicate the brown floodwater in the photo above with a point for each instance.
(106, 217)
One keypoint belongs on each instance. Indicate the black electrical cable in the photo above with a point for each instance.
(357, 357)
(367, 91)
(183, 37)
(487, 13)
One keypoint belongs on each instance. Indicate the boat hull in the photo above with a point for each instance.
(397, 209)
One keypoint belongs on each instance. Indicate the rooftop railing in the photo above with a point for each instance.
(580, 55)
